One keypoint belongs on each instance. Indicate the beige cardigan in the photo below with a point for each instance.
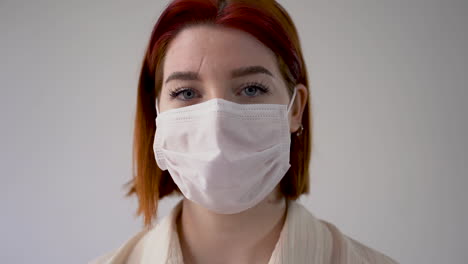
(303, 239)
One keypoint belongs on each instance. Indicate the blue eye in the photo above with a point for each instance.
(253, 89)
(187, 93)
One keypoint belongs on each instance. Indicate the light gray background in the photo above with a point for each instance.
(388, 93)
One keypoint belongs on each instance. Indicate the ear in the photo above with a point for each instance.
(297, 109)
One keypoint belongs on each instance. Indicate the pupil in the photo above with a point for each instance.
(188, 94)
(251, 90)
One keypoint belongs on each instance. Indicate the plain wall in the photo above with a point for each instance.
(388, 83)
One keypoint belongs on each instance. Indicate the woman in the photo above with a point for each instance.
(222, 118)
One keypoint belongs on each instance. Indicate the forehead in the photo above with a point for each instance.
(210, 49)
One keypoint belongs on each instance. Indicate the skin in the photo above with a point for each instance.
(212, 53)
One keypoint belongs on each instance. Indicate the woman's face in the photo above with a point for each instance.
(205, 62)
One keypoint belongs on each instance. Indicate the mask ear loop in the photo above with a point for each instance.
(301, 128)
(157, 110)
(292, 99)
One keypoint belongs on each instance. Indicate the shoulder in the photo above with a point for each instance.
(121, 254)
(338, 247)
(353, 250)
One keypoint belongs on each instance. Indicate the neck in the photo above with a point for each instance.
(246, 237)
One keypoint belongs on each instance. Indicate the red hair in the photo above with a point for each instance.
(267, 21)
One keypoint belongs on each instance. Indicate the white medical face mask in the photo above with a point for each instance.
(224, 156)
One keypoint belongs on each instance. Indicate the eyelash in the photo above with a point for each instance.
(263, 89)
(174, 93)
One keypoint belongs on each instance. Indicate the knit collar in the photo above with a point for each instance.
(302, 238)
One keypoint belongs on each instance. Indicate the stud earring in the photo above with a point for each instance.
(300, 130)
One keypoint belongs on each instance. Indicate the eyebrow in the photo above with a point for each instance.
(240, 72)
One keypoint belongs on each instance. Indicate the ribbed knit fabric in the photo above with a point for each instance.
(303, 239)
